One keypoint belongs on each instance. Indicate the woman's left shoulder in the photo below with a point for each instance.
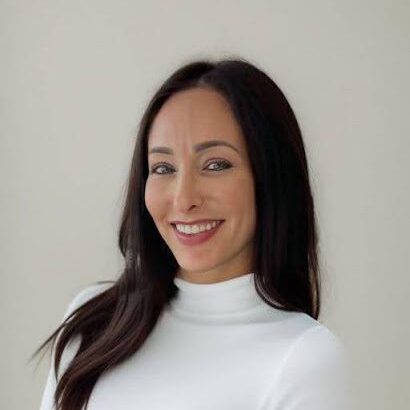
(320, 344)
(317, 368)
(314, 373)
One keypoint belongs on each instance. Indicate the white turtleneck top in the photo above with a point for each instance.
(219, 346)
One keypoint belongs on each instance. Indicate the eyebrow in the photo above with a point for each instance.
(197, 148)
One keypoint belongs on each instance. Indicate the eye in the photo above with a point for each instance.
(154, 168)
(221, 165)
(225, 165)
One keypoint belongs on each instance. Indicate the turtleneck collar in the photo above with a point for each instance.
(232, 297)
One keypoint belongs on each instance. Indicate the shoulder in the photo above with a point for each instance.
(80, 298)
(312, 344)
(314, 372)
(305, 342)
(84, 295)
(305, 334)
(317, 347)
(72, 346)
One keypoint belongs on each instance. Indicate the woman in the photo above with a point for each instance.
(218, 303)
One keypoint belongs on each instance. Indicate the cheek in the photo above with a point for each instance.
(239, 195)
(152, 200)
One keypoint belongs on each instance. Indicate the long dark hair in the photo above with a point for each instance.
(114, 324)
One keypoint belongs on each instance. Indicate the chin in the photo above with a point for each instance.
(195, 265)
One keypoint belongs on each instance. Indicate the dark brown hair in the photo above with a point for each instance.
(114, 324)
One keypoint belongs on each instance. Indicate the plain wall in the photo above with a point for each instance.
(75, 77)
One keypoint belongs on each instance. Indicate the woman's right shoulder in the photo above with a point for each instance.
(86, 294)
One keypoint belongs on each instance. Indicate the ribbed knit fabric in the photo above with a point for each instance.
(219, 346)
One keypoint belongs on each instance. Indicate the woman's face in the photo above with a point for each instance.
(191, 180)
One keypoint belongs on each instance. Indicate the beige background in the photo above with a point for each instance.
(75, 77)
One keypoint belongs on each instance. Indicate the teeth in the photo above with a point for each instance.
(193, 229)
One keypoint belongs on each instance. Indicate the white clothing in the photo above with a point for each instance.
(219, 346)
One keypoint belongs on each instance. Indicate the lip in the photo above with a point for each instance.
(198, 221)
(197, 238)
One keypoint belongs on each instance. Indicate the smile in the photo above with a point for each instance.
(196, 234)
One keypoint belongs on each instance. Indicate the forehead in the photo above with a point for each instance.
(193, 116)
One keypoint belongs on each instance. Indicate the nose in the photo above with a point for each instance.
(187, 192)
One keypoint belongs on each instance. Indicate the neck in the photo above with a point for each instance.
(206, 279)
(225, 300)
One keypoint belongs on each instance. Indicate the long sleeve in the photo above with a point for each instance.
(70, 349)
(315, 375)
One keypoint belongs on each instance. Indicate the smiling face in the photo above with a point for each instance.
(191, 181)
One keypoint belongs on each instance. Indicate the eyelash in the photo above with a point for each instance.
(226, 166)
